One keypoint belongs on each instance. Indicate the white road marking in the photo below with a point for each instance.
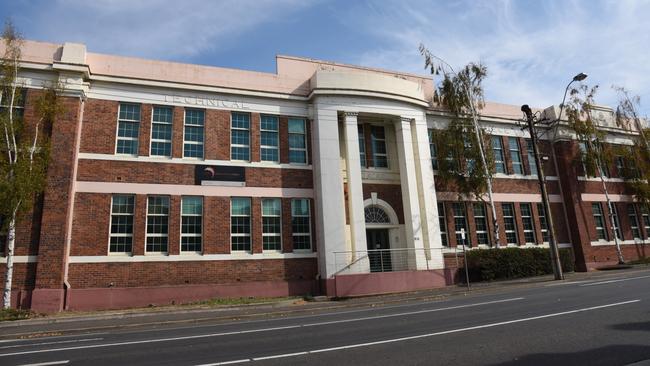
(394, 340)
(48, 363)
(56, 342)
(255, 330)
(613, 281)
(564, 283)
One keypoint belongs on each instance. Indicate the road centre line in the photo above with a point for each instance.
(256, 330)
(63, 362)
(394, 340)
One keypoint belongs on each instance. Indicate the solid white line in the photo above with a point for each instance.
(490, 325)
(612, 281)
(227, 362)
(57, 342)
(255, 330)
(48, 363)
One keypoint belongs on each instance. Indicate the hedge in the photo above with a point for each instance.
(495, 264)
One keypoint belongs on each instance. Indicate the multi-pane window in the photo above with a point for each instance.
(509, 223)
(157, 224)
(240, 223)
(599, 220)
(191, 223)
(645, 217)
(128, 128)
(378, 145)
(620, 166)
(432, 149)
(194, 133)
(499, 158)
(616, 222)
(480, 221)
(460, 224)
(272, 224)
(240, 136)
(269, 140)
(121, 236)
(297, 141)
(543, 223)
(442, 221)
(161, 131)
(531, 157)
(634, 222)
(528, 223)
(3, 235)
(362, 145)
(301, 224)
(515, 155)
(18, 104)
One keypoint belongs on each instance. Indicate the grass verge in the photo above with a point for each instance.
(14, 314)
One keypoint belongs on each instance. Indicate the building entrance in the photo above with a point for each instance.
(379, 254)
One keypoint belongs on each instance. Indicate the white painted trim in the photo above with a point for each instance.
(597, 197)
(193, 161)
(21, 259)
(597, 179)
(598, 243)
(505, 197)
(189, 257)
(523, 177)
(191, 190)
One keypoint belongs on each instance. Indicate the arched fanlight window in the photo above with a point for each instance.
(376, 215)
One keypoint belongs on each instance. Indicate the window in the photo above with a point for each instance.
(157, 224)
(620, 166)
(480, 221)
(634, 222)
(432, 149)
(645, 215)
(161, 131)
(376, 215)
(269, 141)
(240, 224)
(240, 136)
(272, 224)
(128, 128)
(531, 157)
(515, 156)
(528, 223)
(194, 133)
(121, 236)
(499, 159)
(543, 223)
(599, 221)
(301, 224)
(510, 225)
(460, 224)
(378, 144)
(616, 222)
(3, 235)
(19, 102)
(362, 145)
(191, 224)
(297, 141)
(442, 221)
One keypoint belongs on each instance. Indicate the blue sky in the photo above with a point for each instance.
(531, 48)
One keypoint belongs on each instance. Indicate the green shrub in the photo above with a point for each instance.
(495, 264)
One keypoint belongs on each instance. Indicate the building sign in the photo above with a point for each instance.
(219, 175)
(205, 101)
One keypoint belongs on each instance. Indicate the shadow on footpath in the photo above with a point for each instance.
(610, 355)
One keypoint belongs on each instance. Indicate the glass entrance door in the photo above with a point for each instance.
(379, 254)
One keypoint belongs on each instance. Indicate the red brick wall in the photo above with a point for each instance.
(391, 193)
(99, 126)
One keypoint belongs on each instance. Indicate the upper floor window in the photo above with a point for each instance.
(161, 131)
(433, 151)
(128, 128)
(378, 144)
(269, 140)
(194, 133)
(297, 141)
(362, 145)
(531, 157)
(515, 155)
(121, 231)
(499, 159)
(240, 136)
(18, 103)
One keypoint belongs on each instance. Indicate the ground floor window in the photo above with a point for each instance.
(645, 216)
(191, 224)
(543, 223)
(121, 232)
(599, 220)
(528, 223)
(509, 223)
(634, 222)
(617, 223)
(272, 224)
(240, 224)
(480, 220)
(301, 224)
(442, 220)
(157, 224)
(460, 224)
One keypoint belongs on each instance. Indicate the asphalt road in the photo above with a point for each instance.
(602, 321)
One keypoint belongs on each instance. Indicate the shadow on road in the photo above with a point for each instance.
(610, 355)
(633, 326)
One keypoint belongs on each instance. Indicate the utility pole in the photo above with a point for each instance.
(555, 255)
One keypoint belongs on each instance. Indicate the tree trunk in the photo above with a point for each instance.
(11, 241)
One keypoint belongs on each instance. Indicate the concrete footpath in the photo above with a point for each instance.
(76, 323)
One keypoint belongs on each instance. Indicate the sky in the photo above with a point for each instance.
(531, 48)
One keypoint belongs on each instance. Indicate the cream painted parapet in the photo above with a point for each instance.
(410, 199)
(328, 189)
(355, 188)
(427, 192)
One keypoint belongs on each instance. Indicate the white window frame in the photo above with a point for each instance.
(458, 233)
(279, 234)
(516, 151)
(433, 150)
(616, 222)
(110, 225)
(514, 221)
(156, 235)
(500, 148)
(541, 213)
(600, 214)
(185, 124)
(484, 217)
(532, 222)
(442, 222)
(152, 140)
(633, 217)
(191, 235)
(304, 137)
(530, 155)
(117, 130)
(645, 219)
(308, 233)
(277, 138)
(361, 133)
(372, 147)
(248, 130)
(250, 227)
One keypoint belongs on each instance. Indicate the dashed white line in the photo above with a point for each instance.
(63, 362)
(613, 281)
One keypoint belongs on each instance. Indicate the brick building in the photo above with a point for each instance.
(172, 182)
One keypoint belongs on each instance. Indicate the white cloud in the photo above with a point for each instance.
(532, 49)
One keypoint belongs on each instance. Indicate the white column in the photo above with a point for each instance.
(427, 193)
(355, 189)
(410, 199)
(328, 190)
